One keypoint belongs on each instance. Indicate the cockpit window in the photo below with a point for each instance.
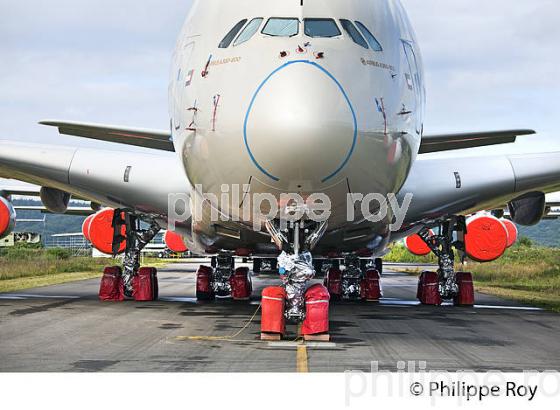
(372, 41)
(354, 33)
(321, 28)
(249, 31)
(281, 27)
(232, 33)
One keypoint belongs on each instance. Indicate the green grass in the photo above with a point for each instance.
(525, 273)
(27, 267)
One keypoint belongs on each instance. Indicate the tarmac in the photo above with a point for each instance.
(65, 328)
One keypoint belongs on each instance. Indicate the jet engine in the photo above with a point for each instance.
(486, 239)
(416, 245)
(7, 217)
(529, 209)
(174, 242)
(513, 233)
(100, 232)
(55, 201)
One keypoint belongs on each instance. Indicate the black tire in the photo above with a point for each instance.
(257, 265)
(379, 265)
(318, 266)
(214, 262)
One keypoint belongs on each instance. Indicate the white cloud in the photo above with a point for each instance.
(491, 65)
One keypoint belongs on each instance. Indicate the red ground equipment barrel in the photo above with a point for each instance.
(112, 285)
(333, 282)
(204, 290)
(272, 304)
(428, 289)
(371, 286)
(317, 310)
(241, 286)
(465, 297)
(145, 285)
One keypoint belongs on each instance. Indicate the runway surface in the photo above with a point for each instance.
(64, 328)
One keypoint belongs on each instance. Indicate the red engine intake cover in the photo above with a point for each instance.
(174, 242)
(416, 245)
(512, 232)
(7, 217)
(101, 232)
(85, 227)
(486, 239)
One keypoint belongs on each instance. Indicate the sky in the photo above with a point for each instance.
(489, 65)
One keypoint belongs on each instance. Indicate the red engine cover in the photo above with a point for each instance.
(174, 242)
(512, 232)
(7, 217)
(85, 226)
(416, 245)
(486, 239)
(101, 232)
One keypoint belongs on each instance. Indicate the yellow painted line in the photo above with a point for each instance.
(301, 355)
(301, 359)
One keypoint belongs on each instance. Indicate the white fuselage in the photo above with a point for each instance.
(297, 114)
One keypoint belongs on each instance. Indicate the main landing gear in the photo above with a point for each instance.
(359, 280)
(131, 280)
(223, 280)
(446, 284)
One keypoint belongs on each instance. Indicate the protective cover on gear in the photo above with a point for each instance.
(428, 289)
(145, 285)
(298, 270)
(204, 290)
(465, 297)
(272, 305)
(333, 282)
(112, 285)
(371, 286)
(240, 283)
(317, 310)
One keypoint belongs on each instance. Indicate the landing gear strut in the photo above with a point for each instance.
(136, 240)
(442, 246)
(296, 263)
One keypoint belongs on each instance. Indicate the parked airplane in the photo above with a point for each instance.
(301, 97)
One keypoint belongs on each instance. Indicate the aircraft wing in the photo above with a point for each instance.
(138, 180)
(22, 190)
(448, 142)
(160, 140)
(72, 210)
(463, 186)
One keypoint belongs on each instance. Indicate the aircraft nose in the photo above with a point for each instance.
(300, 125)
